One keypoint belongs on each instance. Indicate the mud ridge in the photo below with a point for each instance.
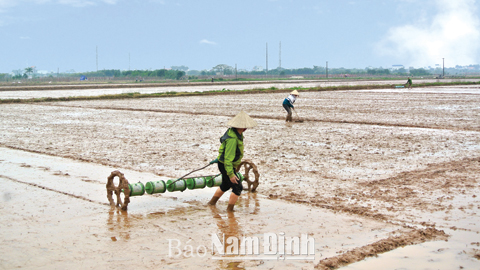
(127, 85)
(416, 236)
(49, 154)
(276, 118)
(77, 159)
(355, 210)
(54, 190)
(415, 189)
(406, 178)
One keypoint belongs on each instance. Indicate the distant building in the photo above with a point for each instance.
(257, 68)
(397, 67)
(18, 72)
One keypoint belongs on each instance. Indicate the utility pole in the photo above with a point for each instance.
(280, 56)
(327, 70)
(97, 57)
(443, 75)
(266, 55)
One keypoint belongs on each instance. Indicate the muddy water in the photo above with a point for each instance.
(378, 165)
(460, 252)
(54, 209)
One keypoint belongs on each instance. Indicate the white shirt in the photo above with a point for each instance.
(291, 98)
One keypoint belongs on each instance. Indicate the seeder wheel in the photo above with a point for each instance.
(123, 185)
(249, 165)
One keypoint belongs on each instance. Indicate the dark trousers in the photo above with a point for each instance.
(288, 109)
(226, 183)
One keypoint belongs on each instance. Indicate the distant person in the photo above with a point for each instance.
(409, 83)
(230, 156)
(288, 104)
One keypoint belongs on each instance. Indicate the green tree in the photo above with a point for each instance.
(182, 68)
(179, 74)
(222, 68)
(419, 72)
(28, 70)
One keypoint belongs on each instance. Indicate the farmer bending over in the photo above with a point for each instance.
(230, 156)
(288, 104)
(409, 83)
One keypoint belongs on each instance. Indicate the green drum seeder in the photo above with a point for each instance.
(154, 187)
(197, 182)
(137, 189)
(161, 186)
(216, 180)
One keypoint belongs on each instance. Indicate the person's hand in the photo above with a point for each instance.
(234, 179)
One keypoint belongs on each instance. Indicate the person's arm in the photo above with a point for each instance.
(290, 104)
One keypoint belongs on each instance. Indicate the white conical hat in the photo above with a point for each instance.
(295, 92)
(242, 120)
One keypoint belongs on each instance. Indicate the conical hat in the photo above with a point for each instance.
(295, 92)
(242, 120)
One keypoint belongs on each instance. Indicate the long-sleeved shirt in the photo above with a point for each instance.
(290, 100)
(231, 150)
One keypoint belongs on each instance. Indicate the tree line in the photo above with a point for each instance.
(183, 72)
(138, 74)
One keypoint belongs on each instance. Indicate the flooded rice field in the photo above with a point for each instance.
(19, 91)
(371, 179)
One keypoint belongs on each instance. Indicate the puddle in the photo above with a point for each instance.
(461, 251)
(64, 215)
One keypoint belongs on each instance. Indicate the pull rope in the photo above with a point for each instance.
(211, 162)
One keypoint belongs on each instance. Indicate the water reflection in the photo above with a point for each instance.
(251, 199)
(229, 230)
(119, 222)
(228, 226)
(232, 227)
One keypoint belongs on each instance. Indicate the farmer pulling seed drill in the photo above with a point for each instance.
(408, 83)
(230, 156)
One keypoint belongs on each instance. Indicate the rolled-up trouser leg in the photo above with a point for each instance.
(289, 112)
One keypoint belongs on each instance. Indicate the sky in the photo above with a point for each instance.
(86, 35)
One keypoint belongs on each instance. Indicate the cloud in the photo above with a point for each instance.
(77, 3)
(111, 2)
(452, 33)
(205, 41)
(7, 4)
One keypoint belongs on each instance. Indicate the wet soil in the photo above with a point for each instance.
(21, 91)
(403, 162)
